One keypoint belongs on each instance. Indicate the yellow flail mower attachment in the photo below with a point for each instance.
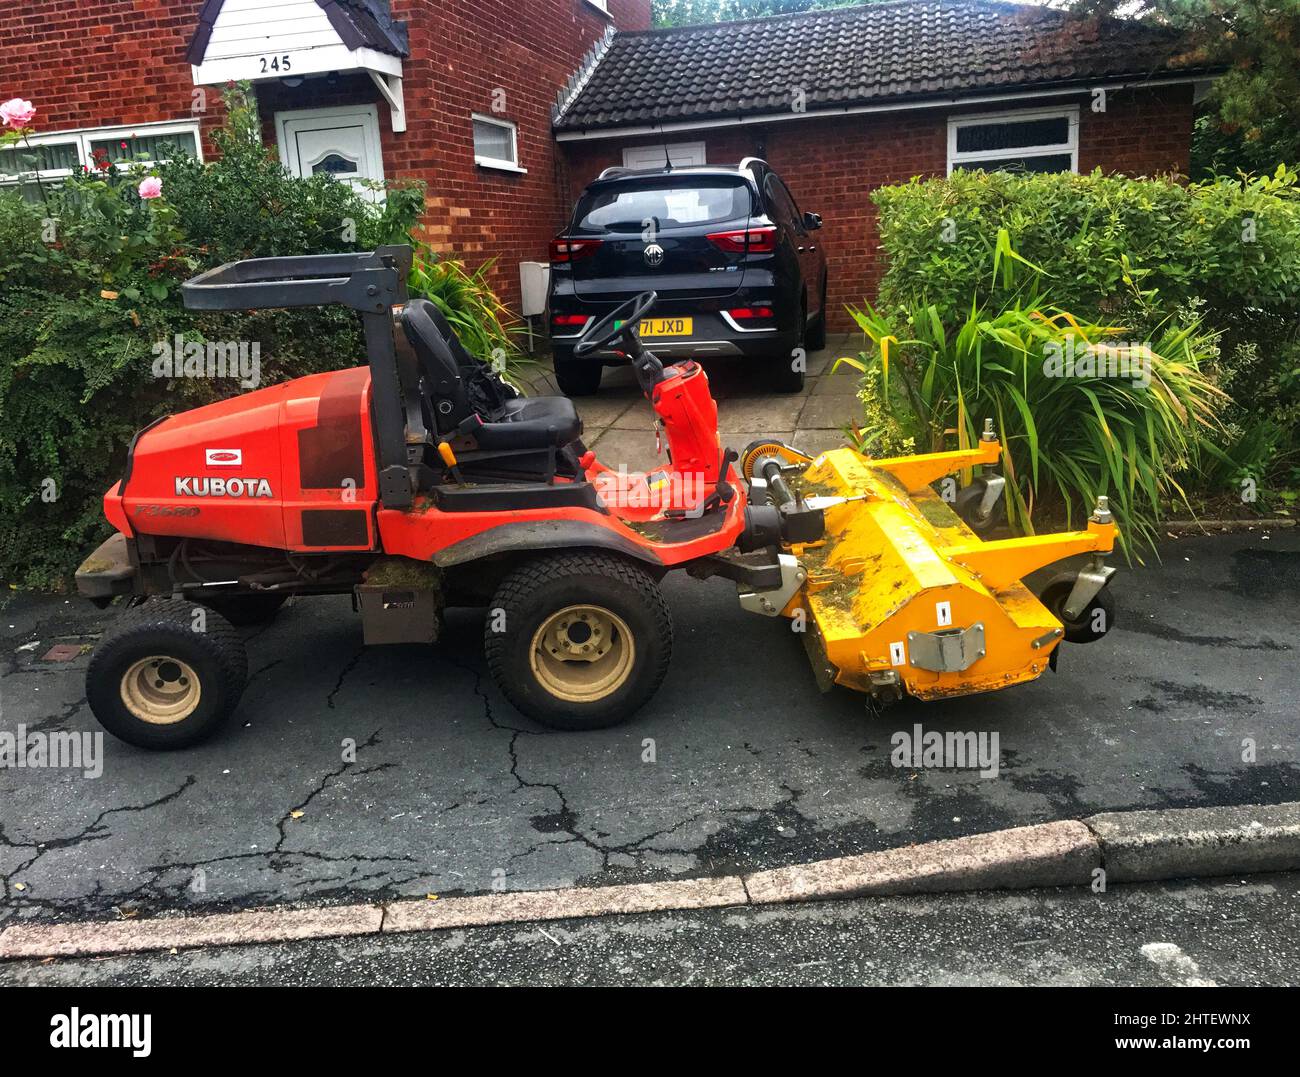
(892, 586)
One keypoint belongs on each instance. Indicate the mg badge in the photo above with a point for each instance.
(654, 255)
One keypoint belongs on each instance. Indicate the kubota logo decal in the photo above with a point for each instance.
(223, 457)
(206, 487)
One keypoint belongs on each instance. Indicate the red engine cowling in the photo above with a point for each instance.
(288, 467)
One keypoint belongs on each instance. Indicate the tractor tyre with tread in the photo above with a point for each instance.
(586, 639)
(156, 683)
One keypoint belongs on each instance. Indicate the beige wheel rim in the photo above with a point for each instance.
(161, 690)
(583, 653)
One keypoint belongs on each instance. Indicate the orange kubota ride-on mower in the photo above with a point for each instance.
(422, 480)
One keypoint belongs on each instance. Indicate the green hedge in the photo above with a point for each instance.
(1131, 252)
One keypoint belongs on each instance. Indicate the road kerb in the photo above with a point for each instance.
(530, 905)
(1050, 854)
(1131, 846)
(1143, 846)
(96, 938)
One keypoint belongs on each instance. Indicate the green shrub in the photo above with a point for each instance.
(1141, 253)
(1083, 407)
(248, 206)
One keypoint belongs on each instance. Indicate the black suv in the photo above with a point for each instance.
(738, 268)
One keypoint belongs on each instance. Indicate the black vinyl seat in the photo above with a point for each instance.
(460, 388)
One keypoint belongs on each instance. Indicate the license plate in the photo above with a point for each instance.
(665, 327)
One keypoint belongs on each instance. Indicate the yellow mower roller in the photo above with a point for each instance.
(893, 588)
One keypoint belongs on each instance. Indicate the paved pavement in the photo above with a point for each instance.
(452, 791)
(1219, 931)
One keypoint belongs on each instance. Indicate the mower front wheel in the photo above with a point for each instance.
(167, 675)
(578, 641)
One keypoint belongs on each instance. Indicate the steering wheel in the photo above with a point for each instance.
(619, 323)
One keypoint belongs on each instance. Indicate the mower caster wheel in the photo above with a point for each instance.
(1094, 621)
(967, 506)
(578, 641)
(167, 675)
(241, 610)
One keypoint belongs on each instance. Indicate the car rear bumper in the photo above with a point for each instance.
(713, 337)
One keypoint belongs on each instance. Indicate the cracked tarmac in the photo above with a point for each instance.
(359, 774)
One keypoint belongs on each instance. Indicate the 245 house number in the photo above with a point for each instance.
(276, 63)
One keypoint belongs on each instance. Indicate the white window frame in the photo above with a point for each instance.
(84, 136)
(497, 162)
(602, 6)
(1070, 113)
(665, 152)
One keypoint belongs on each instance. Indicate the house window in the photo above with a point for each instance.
(55, 156)
(600, 5)
(496, 144)
(1026, 141)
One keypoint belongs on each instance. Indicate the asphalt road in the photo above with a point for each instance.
(452, 791)
(1209, 932)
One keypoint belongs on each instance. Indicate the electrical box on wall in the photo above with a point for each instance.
(534, 279)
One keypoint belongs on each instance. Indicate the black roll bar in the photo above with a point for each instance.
(371, 282)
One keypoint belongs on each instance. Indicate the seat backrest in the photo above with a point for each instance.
(458, 350)
(442, 374)
(484, 390)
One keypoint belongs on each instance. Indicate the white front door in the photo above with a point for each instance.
(342, 142)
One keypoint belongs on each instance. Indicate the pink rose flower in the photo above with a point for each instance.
(151, 187)
(17, 112)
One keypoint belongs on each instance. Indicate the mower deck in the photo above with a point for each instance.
(901, 591)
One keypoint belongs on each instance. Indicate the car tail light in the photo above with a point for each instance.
(745, 314)
(569, 319)
(761, 240)
(564, 249)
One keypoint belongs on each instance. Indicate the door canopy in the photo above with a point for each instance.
(235, 40)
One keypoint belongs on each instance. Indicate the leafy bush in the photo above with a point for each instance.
(1140, 253)
(248, 206)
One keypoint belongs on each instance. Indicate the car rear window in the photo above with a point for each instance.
(666, 205)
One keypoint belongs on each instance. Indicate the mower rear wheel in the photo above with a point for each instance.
(579, 641)
(1096, 618)
(242, 610)
(165, 678)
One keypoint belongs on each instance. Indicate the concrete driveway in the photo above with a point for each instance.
(618, 422)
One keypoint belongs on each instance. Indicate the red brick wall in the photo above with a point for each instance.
(101, 63)
(832, 165)
(1141, 133)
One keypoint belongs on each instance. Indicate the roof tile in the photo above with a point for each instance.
(854, 56)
